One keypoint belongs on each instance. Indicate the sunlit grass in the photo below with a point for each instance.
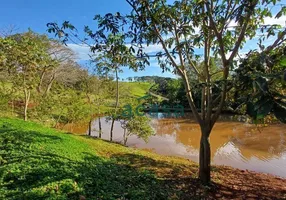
(136, 89)
(38, 162)
(41, 163)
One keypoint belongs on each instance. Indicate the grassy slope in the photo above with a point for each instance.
(41, 163)
(127, 90)
(136, 89)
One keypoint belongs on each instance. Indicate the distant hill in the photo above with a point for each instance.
(150, 79)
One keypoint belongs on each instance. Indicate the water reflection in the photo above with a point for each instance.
(233, 143)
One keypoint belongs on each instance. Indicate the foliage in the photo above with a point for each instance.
(260, 84)
(139, 126)
(173, 26)
(172, 89)
(25, 54)
(41, 75)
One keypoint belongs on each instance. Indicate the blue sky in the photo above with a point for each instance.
(35, 14)
(24, 14)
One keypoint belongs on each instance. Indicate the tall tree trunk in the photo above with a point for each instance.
(203, 103)
(100, 129)
(39, 87)
(205, 157)
(50, 85)
(27, 99)
(59, 117)
(12, 107)
(116, 104)
(125, 137)
(98, 112)
(89, 127)
(90, 110)
(111, 129)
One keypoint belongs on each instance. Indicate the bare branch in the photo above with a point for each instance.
(217, 33)
(242, 32)
(277, 42)
(190, 60)
(178, 44)
(190, 98)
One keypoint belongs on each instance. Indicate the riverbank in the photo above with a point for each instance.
(37, 162)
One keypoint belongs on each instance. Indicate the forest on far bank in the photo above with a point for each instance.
(41, 80)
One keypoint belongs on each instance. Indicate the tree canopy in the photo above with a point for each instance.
(183, 27)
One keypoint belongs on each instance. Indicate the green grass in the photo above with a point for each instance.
(41, 163)
(136, 89)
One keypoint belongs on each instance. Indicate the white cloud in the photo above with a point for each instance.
(82, 51)
(272, 20)
(232, 24)
(267, 21)
(154, 48)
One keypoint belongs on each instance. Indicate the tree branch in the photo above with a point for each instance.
(190, 60)
(242, 32)
(217, 33)
(277, 42)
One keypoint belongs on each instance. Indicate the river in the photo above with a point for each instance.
(233, 143)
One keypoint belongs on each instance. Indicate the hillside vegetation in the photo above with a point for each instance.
(41, 163)
(136, 89)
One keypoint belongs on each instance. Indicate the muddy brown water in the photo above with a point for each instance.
(233, 143)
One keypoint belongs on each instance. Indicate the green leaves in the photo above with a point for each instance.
(264, 101)
(113, 53)
(260, 108)
(25, 54)
(279, 110)
(68, 25)
(262, 84)
(283, 62)
(259, 81)
(139, 125)
(281, 12)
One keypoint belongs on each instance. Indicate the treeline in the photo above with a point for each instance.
(41, 80)
(256, 87)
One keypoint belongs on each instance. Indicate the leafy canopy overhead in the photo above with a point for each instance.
(219, 28)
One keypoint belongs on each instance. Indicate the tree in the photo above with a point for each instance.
(65, 59)
(24, 55)
(173, 26)
(112, 55)
(137, 125)
(87, 85)
(184, 26)
(215, 37)
(260, 84)
(109, 53)
(106, 64)
(134, 122)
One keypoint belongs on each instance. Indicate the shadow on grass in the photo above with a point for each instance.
(34, 172)
(182, 183)
(31, 169)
